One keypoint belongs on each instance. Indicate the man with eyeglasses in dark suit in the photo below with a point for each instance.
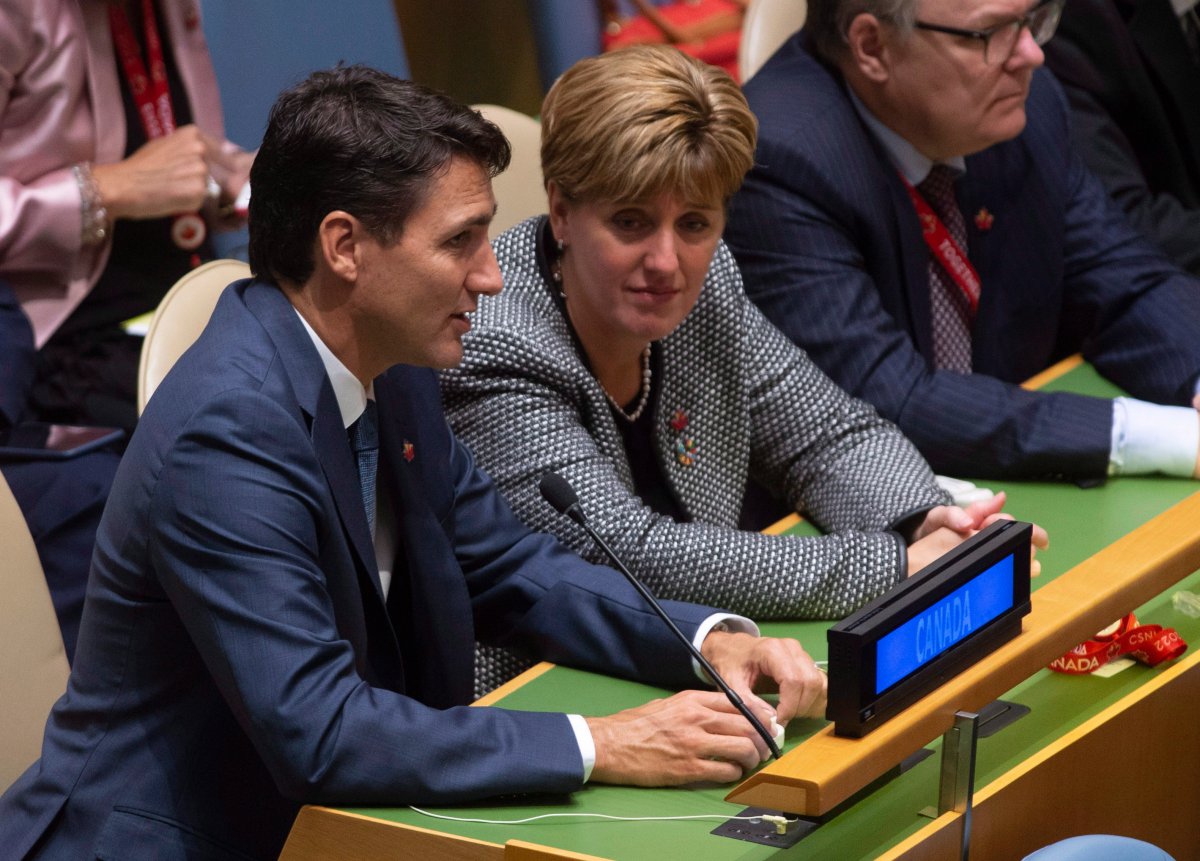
(919, 222)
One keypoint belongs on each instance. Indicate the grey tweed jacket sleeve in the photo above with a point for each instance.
(737, 398)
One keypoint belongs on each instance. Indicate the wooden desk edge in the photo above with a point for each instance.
(323, 832)
(493, 697)
(1053, 372)
(320, 833)
(825, 770)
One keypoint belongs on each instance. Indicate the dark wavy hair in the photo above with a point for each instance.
(359, 140)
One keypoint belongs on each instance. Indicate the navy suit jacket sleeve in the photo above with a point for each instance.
(831, 250)
(254, 599)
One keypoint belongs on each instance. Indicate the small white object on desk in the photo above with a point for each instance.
(1187, 603)
(779, 732)
(963, 492)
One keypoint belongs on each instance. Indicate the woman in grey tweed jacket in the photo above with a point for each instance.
(624, 354)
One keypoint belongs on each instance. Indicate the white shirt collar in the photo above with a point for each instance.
(350, 394)
(1182, 7)
(911, 163)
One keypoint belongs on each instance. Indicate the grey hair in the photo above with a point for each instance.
(828, 21)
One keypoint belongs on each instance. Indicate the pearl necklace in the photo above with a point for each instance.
(645, 392)
(556, 276)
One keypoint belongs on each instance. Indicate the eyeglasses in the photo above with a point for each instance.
(1000, 41)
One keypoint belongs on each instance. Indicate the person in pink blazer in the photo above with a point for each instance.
(70, 181)
(86, 206)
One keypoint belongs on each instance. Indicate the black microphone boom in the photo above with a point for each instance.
(558, 492)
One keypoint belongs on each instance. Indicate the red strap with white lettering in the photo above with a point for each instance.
(152, 95)
(947, 252)
(149, 89)
(1150, 644)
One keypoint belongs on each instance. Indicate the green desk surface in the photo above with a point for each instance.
(1079, 522)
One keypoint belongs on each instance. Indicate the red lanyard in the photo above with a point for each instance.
(152, 95)
(149, 89)
(1150, 644)
(948, 252)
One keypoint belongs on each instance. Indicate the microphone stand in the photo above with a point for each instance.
(556, 496)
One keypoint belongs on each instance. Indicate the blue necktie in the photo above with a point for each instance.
(364, 439)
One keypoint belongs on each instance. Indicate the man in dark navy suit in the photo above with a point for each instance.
(919, 222)
(298, 556)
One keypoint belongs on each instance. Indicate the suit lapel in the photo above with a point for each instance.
(912, 260)
(686, 426)
(428, 602)
(180, 23)
(315, 397)
(107, 112)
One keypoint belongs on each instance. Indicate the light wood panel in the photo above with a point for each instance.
(519, 850)
(1056, 794)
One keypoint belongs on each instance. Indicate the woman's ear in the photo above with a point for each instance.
(560, 211)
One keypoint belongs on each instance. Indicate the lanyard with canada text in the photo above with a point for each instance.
(152, 95)
(1150, 644)
(948, 252)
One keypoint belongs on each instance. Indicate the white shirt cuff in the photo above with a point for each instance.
(1153, 438)
(720, 622)
(587, 747)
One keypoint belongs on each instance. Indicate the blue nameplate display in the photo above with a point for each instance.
(929, 628)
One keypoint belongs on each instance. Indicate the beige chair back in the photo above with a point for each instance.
(33, 662)
(768, 25)
(519, 190)
(181, 317)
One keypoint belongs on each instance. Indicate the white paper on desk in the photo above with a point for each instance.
(963, 492)
(1113, 667)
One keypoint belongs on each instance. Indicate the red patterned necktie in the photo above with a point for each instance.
(949, 309)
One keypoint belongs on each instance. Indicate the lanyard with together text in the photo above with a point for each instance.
(152, 95)
(948, 252)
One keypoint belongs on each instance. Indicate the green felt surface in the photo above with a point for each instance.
(1079, 522)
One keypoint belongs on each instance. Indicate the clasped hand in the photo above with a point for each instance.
(169, 175)
(947, 526)
(697, 735)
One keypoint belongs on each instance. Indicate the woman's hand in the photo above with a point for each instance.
(947, 526)
(165, 176)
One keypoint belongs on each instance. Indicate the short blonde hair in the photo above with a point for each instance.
(635, 123)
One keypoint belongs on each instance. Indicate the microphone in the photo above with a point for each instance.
(558, 492)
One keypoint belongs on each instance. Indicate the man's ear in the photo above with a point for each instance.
(339, 243)
(870, 47)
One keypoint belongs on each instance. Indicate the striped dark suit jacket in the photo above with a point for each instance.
(831, 250)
